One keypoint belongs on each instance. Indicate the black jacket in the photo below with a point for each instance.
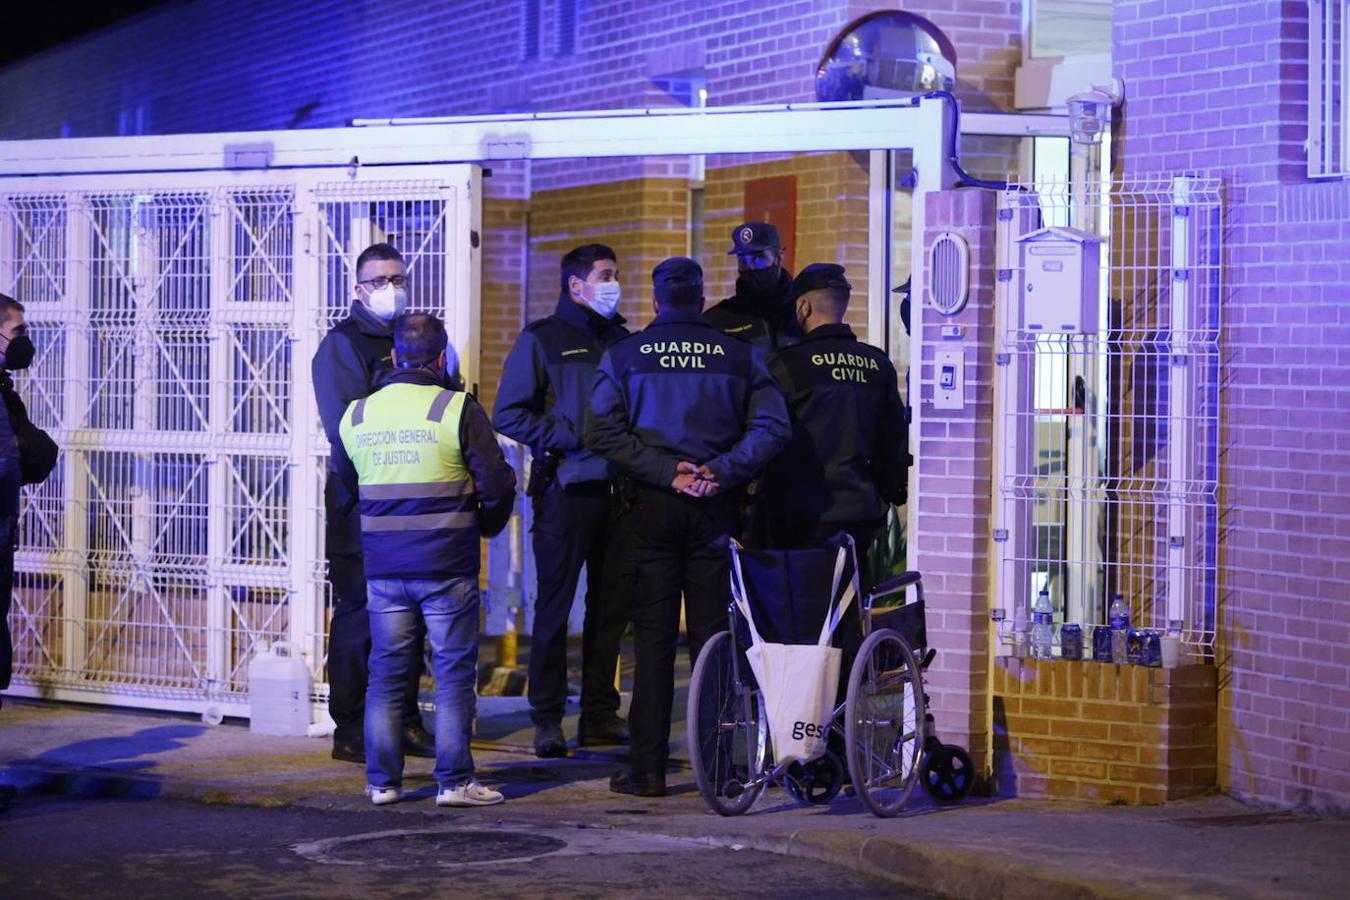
(541, 400)
(347, 364)
(849, 456)
(38, 453)
(680, 390)
(767, 320)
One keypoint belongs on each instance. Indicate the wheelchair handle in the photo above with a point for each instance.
(898, 583)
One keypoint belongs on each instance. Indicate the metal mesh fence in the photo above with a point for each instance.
(182, 526)
(1109, 428)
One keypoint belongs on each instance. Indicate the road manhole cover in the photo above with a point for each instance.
(450, 847)
(421, 848)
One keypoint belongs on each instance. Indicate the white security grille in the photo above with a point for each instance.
(174, 318)
(1107, 441)
(1328, 88)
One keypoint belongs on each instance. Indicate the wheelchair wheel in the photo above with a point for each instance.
(727, 733)
(816, 782)
(884, 722)
(948, 773)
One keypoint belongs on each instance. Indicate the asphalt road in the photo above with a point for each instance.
(69, 847)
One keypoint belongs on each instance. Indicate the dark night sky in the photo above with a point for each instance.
(31, 26)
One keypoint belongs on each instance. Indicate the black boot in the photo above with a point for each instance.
(417, 741)
(549, 742)
(602, 731)
(638, 784)
(349, 751)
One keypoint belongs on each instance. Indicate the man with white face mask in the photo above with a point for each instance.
(541, 402)
(350, 359)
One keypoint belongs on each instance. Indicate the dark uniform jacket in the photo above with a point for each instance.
(10, 480)
(682, 390)
(345, 368)
(347, 363)
(848, 457)
(767, 320)
(541, 400)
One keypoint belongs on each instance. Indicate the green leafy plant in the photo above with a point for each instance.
(887, 557)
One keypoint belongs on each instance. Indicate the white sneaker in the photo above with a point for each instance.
(469, 793)
(383, 796)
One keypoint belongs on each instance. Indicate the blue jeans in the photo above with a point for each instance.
(397, 608)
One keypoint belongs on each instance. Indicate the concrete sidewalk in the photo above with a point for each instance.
(981, 848)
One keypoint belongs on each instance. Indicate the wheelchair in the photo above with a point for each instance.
(882, 725)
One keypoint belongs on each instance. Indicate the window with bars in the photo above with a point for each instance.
(568, 14)
(1328, 88)
(530, 29)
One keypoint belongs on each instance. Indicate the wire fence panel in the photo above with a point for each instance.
(1108, 457)
(174, 318)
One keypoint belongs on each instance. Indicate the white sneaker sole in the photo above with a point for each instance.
(467, 803)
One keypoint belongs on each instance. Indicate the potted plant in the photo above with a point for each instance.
(887, 558)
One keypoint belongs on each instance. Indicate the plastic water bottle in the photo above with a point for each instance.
(1042, 626)
(1020, 642)
(1119, 616)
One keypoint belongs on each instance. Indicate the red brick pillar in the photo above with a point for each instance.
(955, 462)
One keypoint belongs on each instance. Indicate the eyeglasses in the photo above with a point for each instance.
(380, 281)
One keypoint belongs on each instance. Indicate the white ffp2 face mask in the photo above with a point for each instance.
(605, 299)
(388, 302)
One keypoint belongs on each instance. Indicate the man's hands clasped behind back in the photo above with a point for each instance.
(694, 480)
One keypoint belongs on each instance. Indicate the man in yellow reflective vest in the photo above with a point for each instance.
(431, 481)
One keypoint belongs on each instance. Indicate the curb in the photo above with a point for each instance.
(943, 871)
(948, 872)
(36, 778)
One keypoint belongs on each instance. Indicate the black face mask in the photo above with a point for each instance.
(762, 280)
(19, 353)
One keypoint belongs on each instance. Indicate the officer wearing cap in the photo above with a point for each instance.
(848, 458)
(761, 309)
(689, 415)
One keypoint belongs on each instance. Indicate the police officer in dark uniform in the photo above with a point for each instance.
(345, 368)
(541, 401)
(688, 415)
(761, 309)
(848, 458)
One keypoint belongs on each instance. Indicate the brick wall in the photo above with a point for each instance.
(1221, 90)
(1070, 730)
(644, 220)
(956, 469)
(504, 217)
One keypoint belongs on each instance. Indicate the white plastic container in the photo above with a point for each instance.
(279, 687)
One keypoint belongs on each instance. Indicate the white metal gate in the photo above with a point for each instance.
(1106, 441)
(174, 316)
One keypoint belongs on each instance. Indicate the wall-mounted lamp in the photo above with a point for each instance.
(1090, 111)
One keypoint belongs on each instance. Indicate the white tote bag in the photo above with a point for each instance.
(799, 681)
